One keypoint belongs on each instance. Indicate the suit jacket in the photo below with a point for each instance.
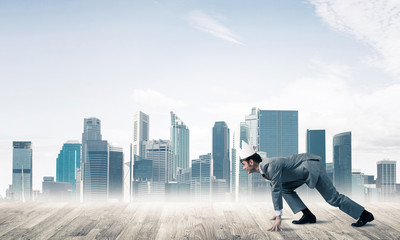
(284, 172)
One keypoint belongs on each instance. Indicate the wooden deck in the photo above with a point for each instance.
(186, 221)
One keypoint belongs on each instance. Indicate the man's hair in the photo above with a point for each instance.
(255, 157)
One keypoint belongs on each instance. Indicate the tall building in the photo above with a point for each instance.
(141, 123)
(115, 172)
(201, 174)
(220, 153)
(252, 123)
(241, 180)
(277, 136)
(140, 133)
(91, 132)
(386, 179)
(68, 162)
(95, 180)
(180, 144)
(342, 163)
(22, 171)
(160, 152)
(143, 169)
(357, 185)
(278, 133)
(316, 144)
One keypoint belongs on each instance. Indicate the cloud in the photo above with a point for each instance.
(209, 25)
(152, 98)
(377, 23)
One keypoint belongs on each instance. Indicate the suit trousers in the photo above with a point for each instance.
(325, 187)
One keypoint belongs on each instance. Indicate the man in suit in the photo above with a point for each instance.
(288, 173)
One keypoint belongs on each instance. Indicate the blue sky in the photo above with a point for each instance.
(337, 63)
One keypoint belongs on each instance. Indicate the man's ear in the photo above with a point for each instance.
(251, 162)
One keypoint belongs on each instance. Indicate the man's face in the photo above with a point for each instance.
(250, 166)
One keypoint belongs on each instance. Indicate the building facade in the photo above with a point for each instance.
(141, 123)
(220, 152)
(386, 179)
(160, 153)
(180, 144)
(68, 162)
(316, 144)
(22, 171)
(201, 175)
(115, 172)
(95, 181)
(342, 178)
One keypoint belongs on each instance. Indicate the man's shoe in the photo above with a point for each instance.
(305, 219)
(364, 218)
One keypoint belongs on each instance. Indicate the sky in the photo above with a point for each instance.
(336, 62)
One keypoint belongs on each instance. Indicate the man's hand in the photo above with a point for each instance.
(277, 224)
(273, 217)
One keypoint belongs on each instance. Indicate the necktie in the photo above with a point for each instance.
(265, 176)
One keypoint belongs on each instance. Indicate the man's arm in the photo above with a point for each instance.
(276, 187)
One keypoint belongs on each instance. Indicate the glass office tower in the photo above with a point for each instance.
(160, 153)
(342, 178)
(115, 172)
(201, 173)
(316, 143)
(22, 171)
(220, 153)
(95, 181)
(386, 179)
(180, 144)
(68, 161)
(278, 133)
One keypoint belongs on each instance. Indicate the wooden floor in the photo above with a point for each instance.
(186, 221)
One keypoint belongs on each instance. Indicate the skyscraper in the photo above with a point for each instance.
(241, 180)
(180, 144)
(252, 123)
(342, 162)
(220, 146)
(386, 179)
(316, 143)
(278, 132)
(357, 187)
(22, 171)
(115, 172)
(140, 133)
(94, 161)
(277, 136)
(95, 181)
(68, 161)
(160, 152)
(201, 173)
(91, 131)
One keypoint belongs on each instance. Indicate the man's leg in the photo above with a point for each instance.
(296, 204)
(331, 195)
(291, 197)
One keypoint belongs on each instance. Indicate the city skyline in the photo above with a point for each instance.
(284, 121)
(206, 61)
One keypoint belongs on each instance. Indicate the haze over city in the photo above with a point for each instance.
(336, 63)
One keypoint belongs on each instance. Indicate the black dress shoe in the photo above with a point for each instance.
(305, 219)
(365, 217)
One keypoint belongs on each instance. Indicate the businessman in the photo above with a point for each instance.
(288, 173)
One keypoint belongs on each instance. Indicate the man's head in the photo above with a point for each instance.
(251, 163)
(249, 158)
